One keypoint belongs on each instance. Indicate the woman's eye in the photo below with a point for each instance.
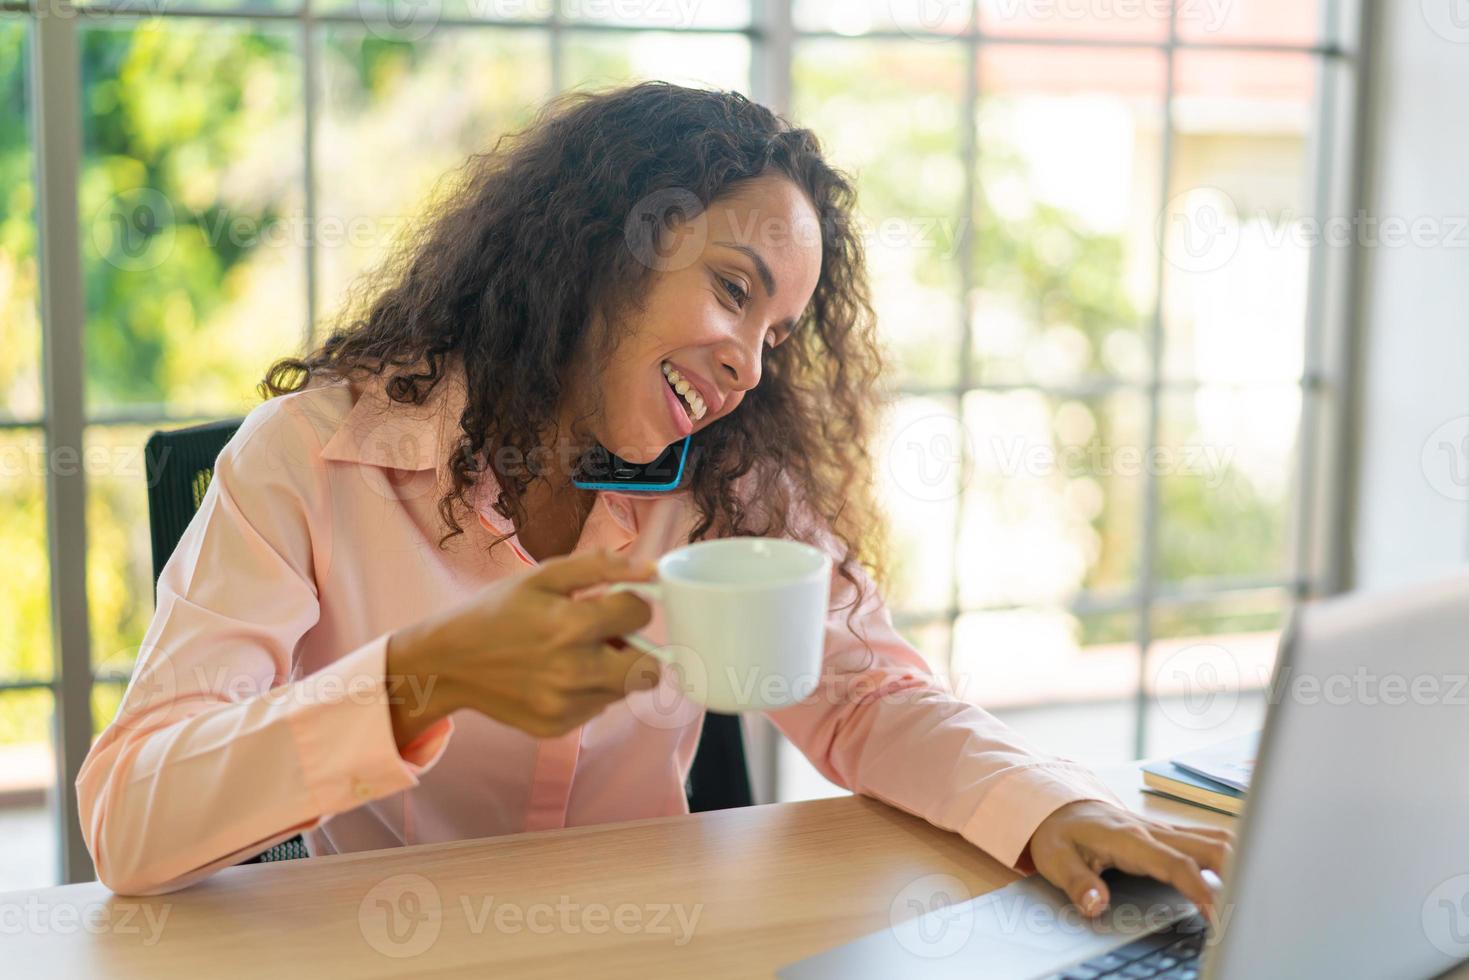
(735, 290)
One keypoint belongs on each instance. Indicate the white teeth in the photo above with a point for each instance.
(688, 392)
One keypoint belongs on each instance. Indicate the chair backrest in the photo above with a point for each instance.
(179, 465)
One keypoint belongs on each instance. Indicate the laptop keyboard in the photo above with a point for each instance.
(1169, 954)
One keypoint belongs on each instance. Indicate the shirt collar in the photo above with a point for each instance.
(378, 431)
(398, 435)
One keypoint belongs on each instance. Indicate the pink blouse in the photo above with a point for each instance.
(259, 705)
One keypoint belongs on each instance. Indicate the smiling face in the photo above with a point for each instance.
(729, 284)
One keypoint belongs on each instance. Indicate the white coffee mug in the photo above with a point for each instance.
(745, 617)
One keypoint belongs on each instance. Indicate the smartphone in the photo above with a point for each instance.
(601, 470)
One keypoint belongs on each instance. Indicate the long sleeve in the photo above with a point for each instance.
(883, 726)
(216, 752)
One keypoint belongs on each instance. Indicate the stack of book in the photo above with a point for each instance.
(1216, 777)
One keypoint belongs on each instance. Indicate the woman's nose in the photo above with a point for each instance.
(741, 363)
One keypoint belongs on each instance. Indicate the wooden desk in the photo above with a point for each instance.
(737, 893)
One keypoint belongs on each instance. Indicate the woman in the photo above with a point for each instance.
(382, 628)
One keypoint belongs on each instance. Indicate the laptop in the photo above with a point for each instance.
(1352, 858)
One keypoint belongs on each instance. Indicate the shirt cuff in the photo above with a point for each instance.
(344, 733)
(426, 747)
(1004, 823)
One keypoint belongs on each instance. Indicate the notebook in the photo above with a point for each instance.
(1216, 776)
(1166, 779)
(1231, 762)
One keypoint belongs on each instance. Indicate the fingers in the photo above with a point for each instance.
(566, 574)
(553, 712)
(1070, 872)
(1213, 833)
(591, 620)
(584, 683)
(602, 667)
(1138, 851)
(643, 673)
(627, 670)
(1208, 852)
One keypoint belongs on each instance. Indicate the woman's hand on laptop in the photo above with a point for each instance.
(1074, 845)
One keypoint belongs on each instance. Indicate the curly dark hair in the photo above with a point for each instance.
(506, 269)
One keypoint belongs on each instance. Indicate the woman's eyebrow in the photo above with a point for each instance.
(761, 269)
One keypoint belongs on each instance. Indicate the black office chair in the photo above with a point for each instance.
(179, 465)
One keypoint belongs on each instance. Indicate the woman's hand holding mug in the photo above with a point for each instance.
(525, 652)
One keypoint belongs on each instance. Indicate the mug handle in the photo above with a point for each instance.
(653, 593)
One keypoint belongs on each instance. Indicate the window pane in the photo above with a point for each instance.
(160, 6)
(1208, 668)
(889, 113)
(1269, 21)
(797, 779)
(1098, 734)
(414, 20)
(658, 13)
(20, 330)
(1226, 466)
(1103, 19)
(916, 18)
(1043, 655)
(191, 202)
(600, 59)
(1065, 681)
(481, 83)
(1053, 503)
(119, 549)
(1238, 229)
(25, 602)
(932, 641)
(1065, 259)
(29, 850)
(920, 483)
(106, 700)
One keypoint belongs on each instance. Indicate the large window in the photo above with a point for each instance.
(28, 816)
(1088, 231)
(1093, 242)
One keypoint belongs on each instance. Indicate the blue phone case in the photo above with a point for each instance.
(640, 485)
